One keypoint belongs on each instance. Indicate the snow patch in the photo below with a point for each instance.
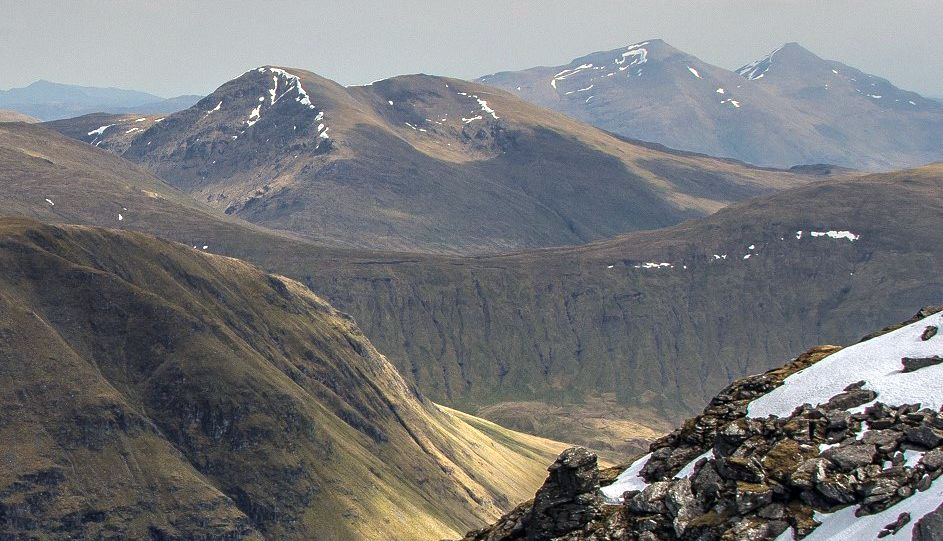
(101, 130)
(688, 469)
(832, 234)
(485, 108)
(627, 480)
(759, 68)
(877, 362)
(694, 72)
(254, 116)
(567, 73)
(843, 525)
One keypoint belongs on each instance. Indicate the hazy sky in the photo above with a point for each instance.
(175, 47)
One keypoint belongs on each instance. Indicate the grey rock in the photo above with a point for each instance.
(568, 498)
(878, 490)
(751, 496)
(849, 457)
(682, 505)
(773, 511)
(933, 460)
(851, 399)
(740, 469)
(707, 483)
(651, 499)
(924, 435)
(916, 363)
(882, 438)
(929, 332)
(839, 488)
(809, 473)
(930, 527)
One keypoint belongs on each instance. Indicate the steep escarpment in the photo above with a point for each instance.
(659, 320)
(151, 390)
(837, 444)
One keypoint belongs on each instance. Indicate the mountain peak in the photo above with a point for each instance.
(790, 53)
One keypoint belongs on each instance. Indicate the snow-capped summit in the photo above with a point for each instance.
(789, 107)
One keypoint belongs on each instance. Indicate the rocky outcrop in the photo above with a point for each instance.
(727, 476)
(567, 501)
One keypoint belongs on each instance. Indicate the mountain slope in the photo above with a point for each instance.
(578, 327)
(154, 391)
(51, 101)
(421, 163)
(789, 108)
(52, 178)
(659, 320)
(13, 116)
(837, 444)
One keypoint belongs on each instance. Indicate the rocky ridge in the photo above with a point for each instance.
(850, 465)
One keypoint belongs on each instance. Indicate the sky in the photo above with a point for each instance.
(173, 47)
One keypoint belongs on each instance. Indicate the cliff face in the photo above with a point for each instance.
(837, 444)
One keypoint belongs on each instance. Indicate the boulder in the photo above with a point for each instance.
(651, 499)
(916, 363)
(751, 496)
(930, 527)
(851, 399)
(849, 457)
(924, 436)
(933, 460)
(929, 332)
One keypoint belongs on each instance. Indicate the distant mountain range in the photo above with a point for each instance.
(419, 163)
(791, 107)
(46, 100)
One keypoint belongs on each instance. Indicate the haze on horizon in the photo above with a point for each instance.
(173, 47)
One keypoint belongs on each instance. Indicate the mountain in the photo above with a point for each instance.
(52, 178)
(420, 163)
(46, 100)
(788, 108)
(154, 391)
(837, 444)
(13, 116)
(554, 341)
(649, 325)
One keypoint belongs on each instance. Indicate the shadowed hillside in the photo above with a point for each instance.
(150, 390)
